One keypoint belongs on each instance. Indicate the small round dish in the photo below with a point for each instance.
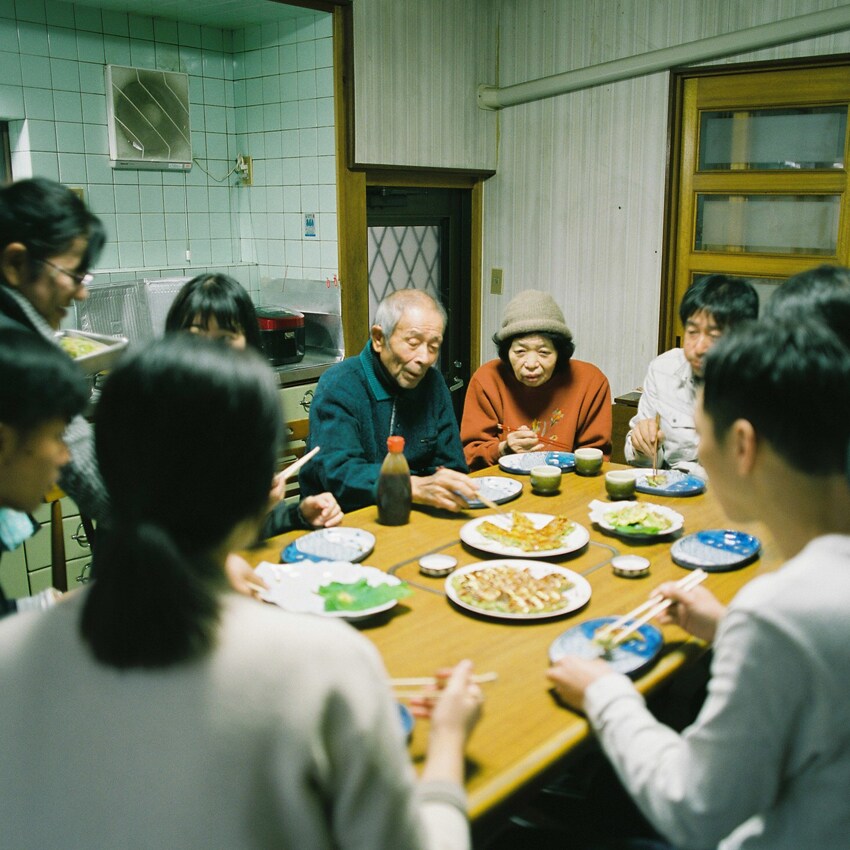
(330, 544)
(716, 550)
(669, 482)
(630, 657)
(520, 464)
(630, 566)
(437, 565)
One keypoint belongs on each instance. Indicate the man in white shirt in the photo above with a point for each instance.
(710, 306)
(766, 764)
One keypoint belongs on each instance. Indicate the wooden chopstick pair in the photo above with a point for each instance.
(290, 470)
(655, 445)
(621, 629)
(422, 682)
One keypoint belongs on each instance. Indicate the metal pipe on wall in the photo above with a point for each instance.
(716, 47)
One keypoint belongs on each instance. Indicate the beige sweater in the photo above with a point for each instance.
(285, 736)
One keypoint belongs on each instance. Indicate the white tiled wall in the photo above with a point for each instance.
(266, 92)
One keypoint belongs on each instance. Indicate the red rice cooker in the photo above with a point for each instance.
(281, 334)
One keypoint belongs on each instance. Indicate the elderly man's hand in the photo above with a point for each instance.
(644, 436)
(446, 488)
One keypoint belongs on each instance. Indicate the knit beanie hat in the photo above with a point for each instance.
(532, 312)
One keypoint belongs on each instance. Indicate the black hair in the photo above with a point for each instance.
(563, 345)
(46, 217)
(729, 300)
(38, 382)
(187, 433)
(822, 293)
(778, 376)
(219, 296)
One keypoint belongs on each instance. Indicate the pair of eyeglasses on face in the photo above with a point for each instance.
(77, 277)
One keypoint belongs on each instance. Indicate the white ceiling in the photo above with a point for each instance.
(228, 14)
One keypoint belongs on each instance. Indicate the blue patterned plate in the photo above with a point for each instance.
(497, 489)
(628, 658)
(521, 463)
(673, 482)
(716, 550)
(330, 544)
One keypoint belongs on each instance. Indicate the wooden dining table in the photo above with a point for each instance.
(524, 733)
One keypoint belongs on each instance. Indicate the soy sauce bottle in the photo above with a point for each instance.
(394, 495)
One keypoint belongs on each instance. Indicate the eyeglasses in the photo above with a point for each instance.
(79, 279)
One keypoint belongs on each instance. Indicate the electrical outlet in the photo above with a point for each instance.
(245, 169)
(495, 281)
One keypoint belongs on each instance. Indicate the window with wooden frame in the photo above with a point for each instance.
(758, 179)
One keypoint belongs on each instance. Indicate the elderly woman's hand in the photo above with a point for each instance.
(522, 440)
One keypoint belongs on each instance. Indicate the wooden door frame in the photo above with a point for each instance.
(353, 178)
(669, 326)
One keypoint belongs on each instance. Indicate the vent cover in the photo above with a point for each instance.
(148, 118)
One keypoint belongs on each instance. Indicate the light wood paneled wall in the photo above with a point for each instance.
(577, 203)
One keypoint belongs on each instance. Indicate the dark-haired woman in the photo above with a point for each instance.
(49, 241)
(218, 307)
(202, 718)
(535, 397)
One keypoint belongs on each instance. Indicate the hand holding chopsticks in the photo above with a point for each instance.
(655, 444)
(622, 629)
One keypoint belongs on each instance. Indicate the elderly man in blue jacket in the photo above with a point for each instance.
(389, 389)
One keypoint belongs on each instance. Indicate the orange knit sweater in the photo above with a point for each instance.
(572, 409)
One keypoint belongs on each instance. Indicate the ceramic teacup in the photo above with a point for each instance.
(545, 478)
(620, 484)
(588, 461)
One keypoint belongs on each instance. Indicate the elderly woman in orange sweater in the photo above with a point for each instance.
(535, 397)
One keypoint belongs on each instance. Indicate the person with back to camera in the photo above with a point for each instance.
(709, 308)
(822, 293)
(535, 397)
(202, 718)
(41, 390)
(390, 389)
(218, 307)
(48, 242)
(766, 764)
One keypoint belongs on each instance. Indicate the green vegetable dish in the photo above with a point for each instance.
(360, 595)
(638, 519)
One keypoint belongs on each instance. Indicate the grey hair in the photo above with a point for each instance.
(392, 308)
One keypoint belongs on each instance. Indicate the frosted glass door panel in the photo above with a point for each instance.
(773, 139)
(403, 257)
(768, 224)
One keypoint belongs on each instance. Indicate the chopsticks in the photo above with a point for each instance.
(628, 624)
(294, 467)
(655, 445)
(422, 682)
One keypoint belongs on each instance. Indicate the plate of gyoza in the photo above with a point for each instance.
(524, 535)
(517, 590)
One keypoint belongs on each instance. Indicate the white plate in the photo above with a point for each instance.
(294, 586)
(600, 510)
(497, 489)
(569, 543)
(574, 598)
(521, 463)
(330, 544)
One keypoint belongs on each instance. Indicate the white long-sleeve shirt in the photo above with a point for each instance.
(284, 736)
(670, 390)
(767, 762)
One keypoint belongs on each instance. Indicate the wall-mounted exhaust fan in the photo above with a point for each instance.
(148, 118)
